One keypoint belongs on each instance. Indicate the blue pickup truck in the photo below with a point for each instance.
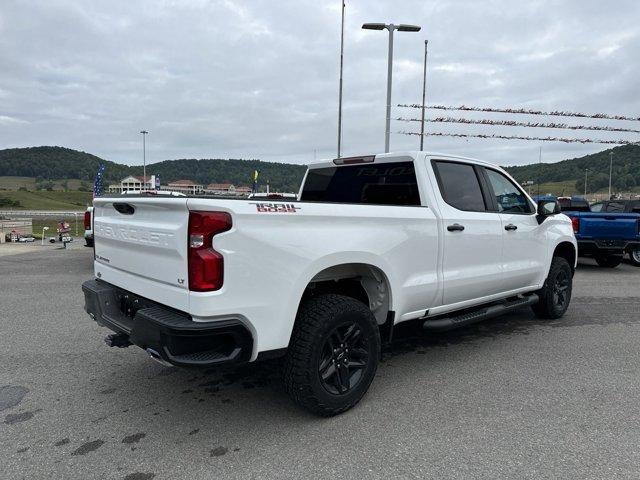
(605, 236)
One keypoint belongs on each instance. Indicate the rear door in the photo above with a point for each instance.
(524, 245)
(472, 249)
(141, 246)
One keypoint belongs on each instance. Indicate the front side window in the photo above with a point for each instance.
(460, 186)
(596, 207)
(509, 198)
(381, 184)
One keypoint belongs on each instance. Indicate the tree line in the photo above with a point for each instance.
(625, 171)
(56, 163)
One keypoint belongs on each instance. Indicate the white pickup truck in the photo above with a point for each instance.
(370, 242)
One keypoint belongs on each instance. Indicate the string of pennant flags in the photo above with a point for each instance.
(517, 137)
(512, 123)
(526, 124)
(556, 113)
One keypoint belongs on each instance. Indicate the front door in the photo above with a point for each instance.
(524, 244)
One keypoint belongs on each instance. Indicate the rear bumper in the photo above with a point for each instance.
(606, 246)
(166, 333)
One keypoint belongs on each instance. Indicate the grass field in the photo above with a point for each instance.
(52, 223)
(29, 183)
(566, 188)
(45, 200)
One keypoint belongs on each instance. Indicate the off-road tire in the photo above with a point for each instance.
(634, 256)
(609, 261)
(317, 321)
(548, 306)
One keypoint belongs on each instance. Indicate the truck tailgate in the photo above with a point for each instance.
(141, 246)
(603, 225)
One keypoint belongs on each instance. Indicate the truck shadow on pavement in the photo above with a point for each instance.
(227, 384)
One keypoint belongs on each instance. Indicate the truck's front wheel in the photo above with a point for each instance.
(333, 354)
(555, 295)
(634, 256)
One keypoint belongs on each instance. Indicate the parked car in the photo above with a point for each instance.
(372, 242)
(88, 227)
(617, 206)
(605, 236)
(622, 206)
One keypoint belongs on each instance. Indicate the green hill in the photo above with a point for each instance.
(58, 168)
(49, 163)
(625, 176)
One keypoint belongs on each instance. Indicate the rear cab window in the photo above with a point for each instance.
(574, 205)
(392, 183)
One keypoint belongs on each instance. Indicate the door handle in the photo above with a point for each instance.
(510, 227)
(456, 227)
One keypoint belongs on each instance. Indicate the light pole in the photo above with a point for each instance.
(424, 92)
(610, 170)
(144, 157)
(340, 88)
(43, 230)
(391, 27)
(586, 170)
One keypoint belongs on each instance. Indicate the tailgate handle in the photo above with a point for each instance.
(124, 208)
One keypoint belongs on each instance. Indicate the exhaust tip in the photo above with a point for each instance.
(156, 356)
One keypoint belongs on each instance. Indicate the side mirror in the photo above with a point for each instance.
(546, 208)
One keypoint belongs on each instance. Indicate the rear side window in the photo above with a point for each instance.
(615, 207)
(382, 184)
(596, 207)
(509, 198)
(460, 186)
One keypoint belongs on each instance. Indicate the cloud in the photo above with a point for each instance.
(259, 79)
(6, 120)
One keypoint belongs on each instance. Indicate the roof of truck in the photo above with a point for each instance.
(414, 154)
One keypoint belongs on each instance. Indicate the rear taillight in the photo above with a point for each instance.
(206, 266)
(87, 220)
(575, 223)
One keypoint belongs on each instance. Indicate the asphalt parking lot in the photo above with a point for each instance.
(514, 397)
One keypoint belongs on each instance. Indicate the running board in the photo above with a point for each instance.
(482, 313)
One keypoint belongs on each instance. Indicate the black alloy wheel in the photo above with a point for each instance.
(560, 289)
(344, 358)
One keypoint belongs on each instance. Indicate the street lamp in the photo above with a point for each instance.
(610, 170)
(43, 230)
(424, 92)
(391, 27)
(144, 157)
(586, 170)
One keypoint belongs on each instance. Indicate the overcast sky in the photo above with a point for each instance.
(259, 79)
